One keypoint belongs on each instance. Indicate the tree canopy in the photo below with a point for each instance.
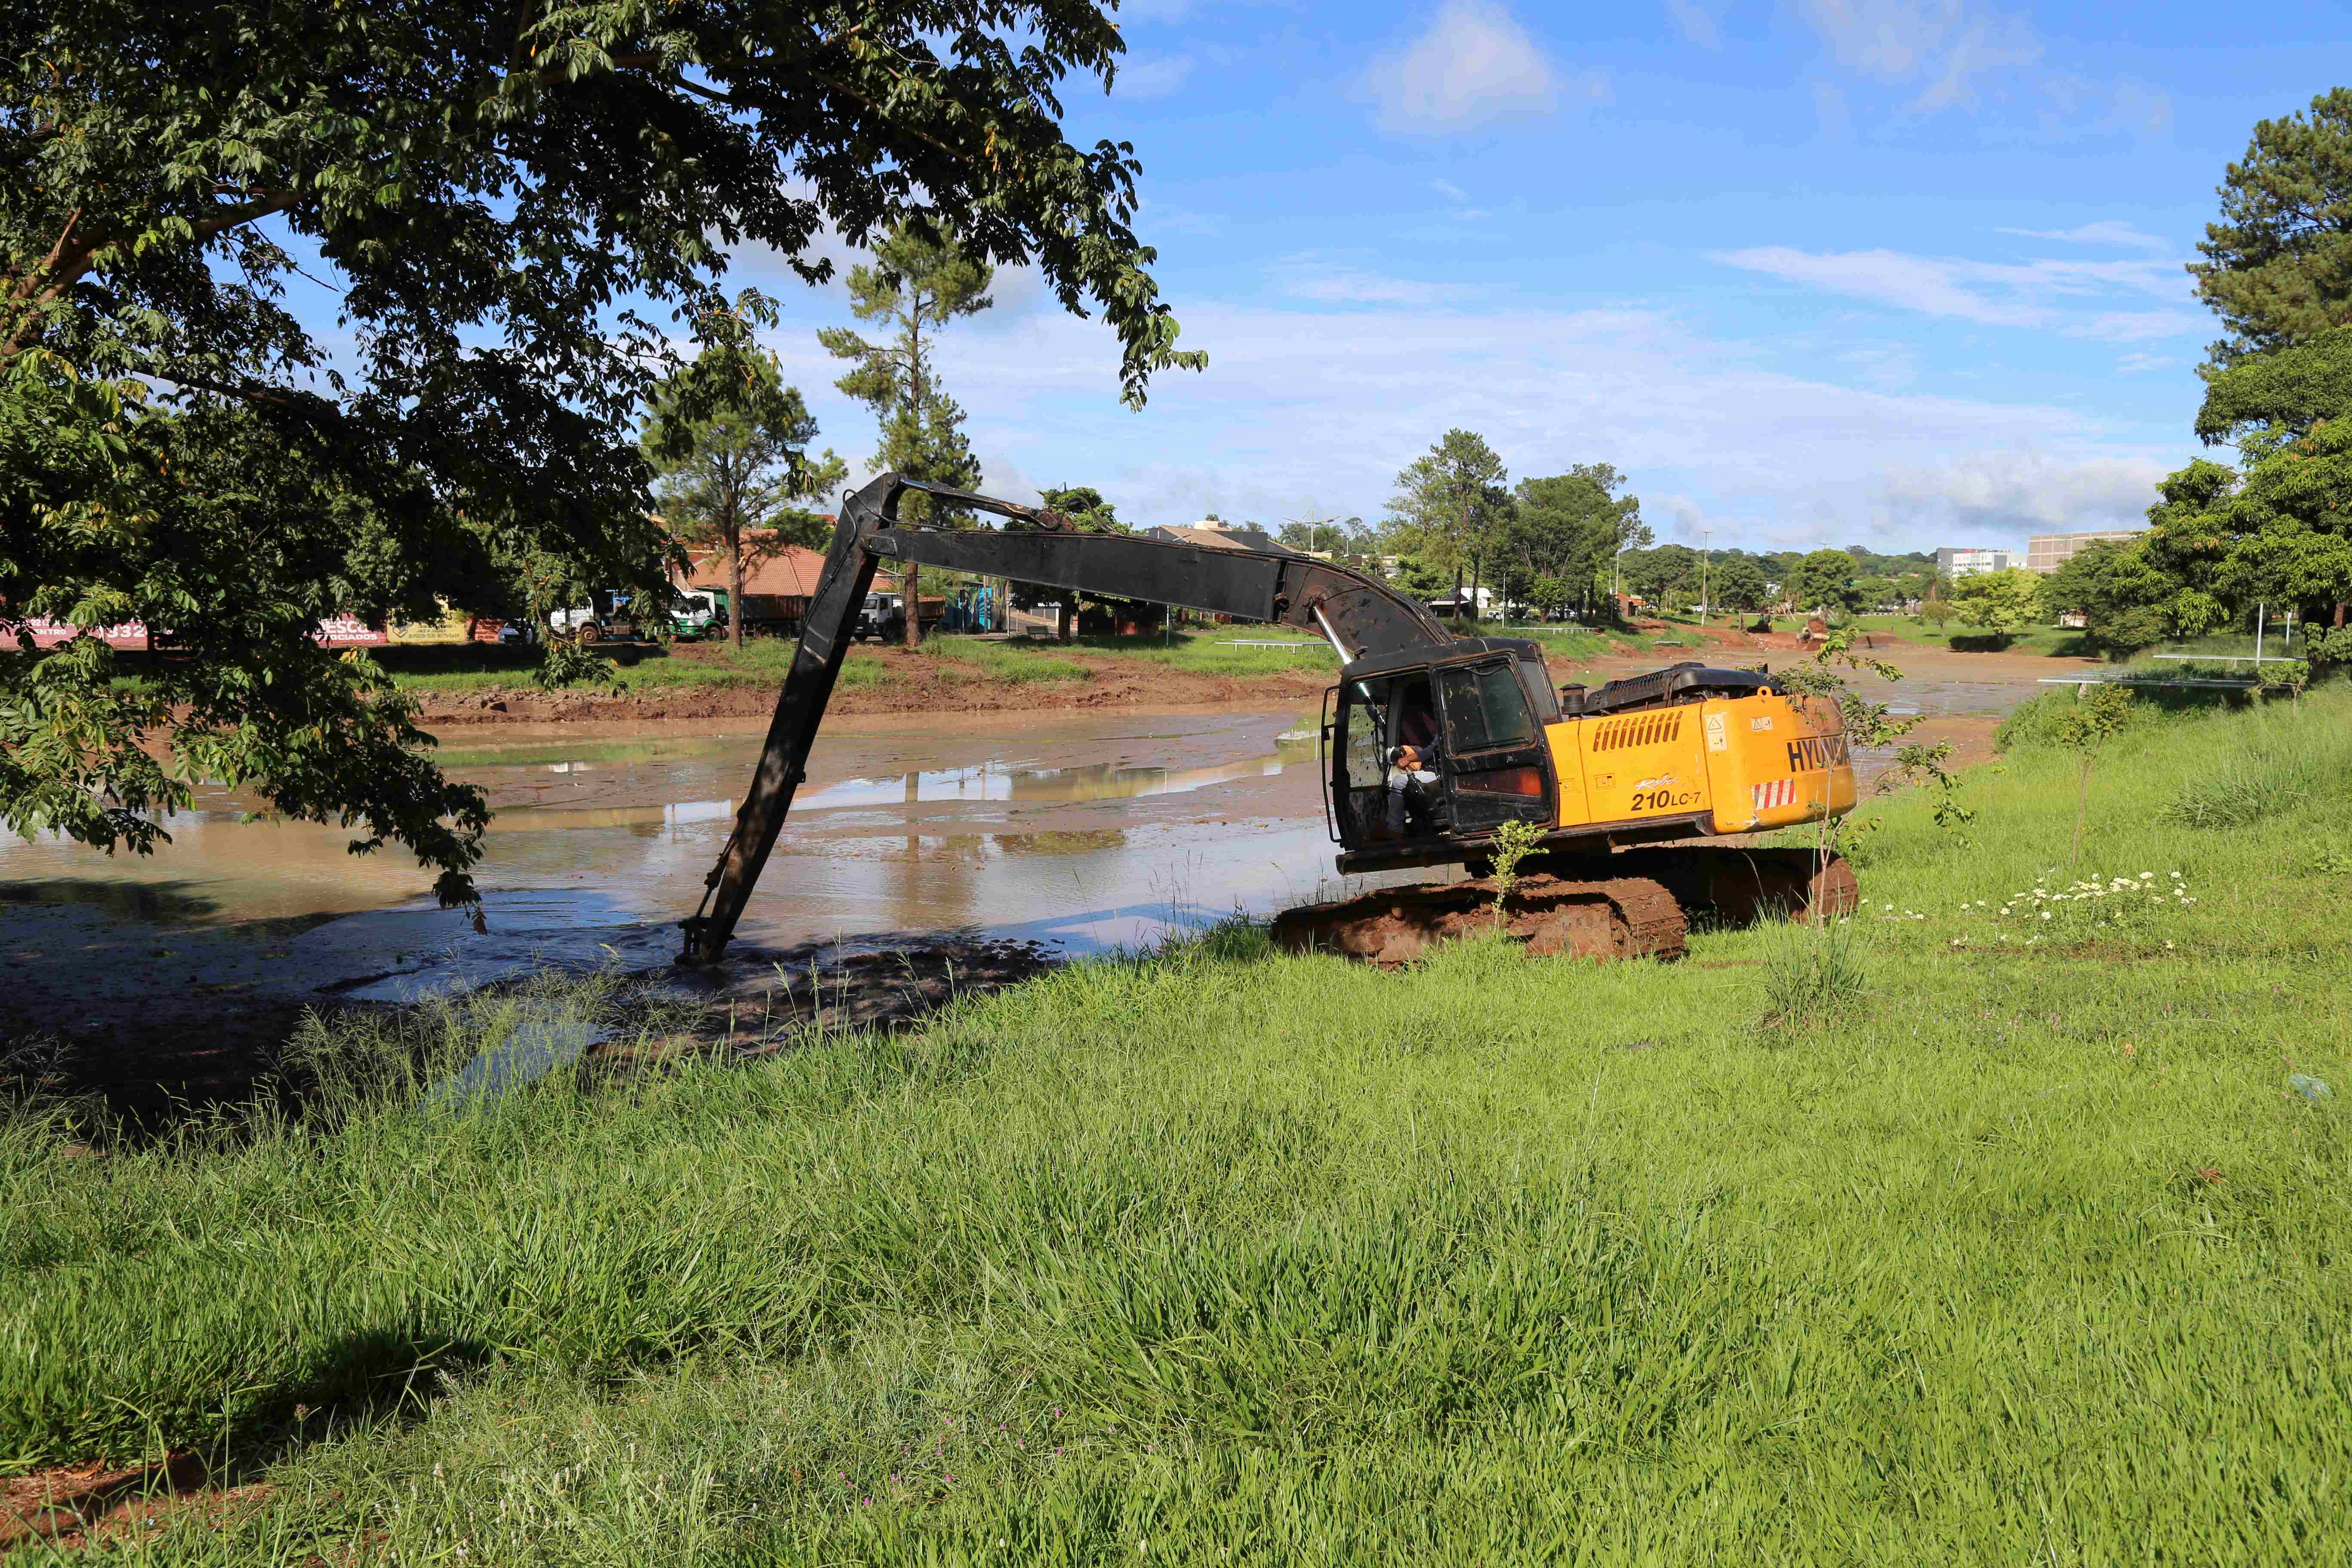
(1448, 501)
(1822, 579)
(525, 216)
(2002, 602)
(2278, 264)
(730, 476)
(1567, 527)
(1737, 583)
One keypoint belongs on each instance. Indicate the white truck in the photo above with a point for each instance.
(614, 614)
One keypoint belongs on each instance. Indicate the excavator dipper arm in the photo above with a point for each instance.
(1359, 616)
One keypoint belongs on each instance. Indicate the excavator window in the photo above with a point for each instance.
(1496, 759)
(1366, 718)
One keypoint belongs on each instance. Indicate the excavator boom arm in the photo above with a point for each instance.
(1357, 614)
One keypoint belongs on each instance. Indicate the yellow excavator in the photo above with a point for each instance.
(1430, 743)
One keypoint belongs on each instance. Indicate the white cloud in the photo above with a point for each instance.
(2136, 364)
(1947, 47)
(1332, 397)
(2047, 294)
(1474, 66)
(1955, 54)
(1153, 76)
(1450, 191)
(2020, 492)
(2136, 326)
(2144, 112)
(1307, 277)
(2107, 231)
(1698, 23)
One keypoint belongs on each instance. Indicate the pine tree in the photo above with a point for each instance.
(920, 280)
(731, 443)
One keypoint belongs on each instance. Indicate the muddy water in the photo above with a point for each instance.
(1079, 831)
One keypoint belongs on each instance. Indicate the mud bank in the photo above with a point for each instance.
(912, 684)
(149, 1052)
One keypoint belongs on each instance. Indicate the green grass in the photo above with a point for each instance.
(2055, 642)
(2012, 1250)
(762, 663)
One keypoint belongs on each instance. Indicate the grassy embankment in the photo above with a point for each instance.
(2065, 643)
(1960, 1237)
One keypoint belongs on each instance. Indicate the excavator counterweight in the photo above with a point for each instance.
(1430, 743)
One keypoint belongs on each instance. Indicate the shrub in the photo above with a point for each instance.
(1811, 973)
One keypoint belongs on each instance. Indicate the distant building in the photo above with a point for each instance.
(1215, 533)
(2049, 552)
(1951, 563)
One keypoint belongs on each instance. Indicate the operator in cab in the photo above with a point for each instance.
(1416, 804)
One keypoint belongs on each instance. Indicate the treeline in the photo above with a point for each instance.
(1456, 524)
(2275, 529)
(1854, 578)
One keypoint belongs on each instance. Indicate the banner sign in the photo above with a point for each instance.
(335, 631)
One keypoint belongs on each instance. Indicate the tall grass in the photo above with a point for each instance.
(1813, 974)
(2272, 768)
(2019, 1251)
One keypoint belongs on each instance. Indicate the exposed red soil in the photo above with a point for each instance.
(913, 684)
(84, 1505)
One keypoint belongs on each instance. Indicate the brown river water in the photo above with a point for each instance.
(1080, 832)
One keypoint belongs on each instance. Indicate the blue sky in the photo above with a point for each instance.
(1897, 272)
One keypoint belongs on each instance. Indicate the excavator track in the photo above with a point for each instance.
(1609, 918)
(1740, 887)
(1633, 904)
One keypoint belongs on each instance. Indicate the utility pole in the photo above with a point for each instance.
(1314, 523)
(1706, 560)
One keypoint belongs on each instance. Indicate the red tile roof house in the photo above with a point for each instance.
(778, 582)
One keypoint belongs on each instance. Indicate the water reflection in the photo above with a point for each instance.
(993, 782)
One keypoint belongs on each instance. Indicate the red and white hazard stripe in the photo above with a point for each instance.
(1779, 791)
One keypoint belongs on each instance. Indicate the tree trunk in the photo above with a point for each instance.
(2339, 613)
(910, 595)
(735, 591)
(1068, 630)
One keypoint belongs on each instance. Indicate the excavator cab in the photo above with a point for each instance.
(1476, 720)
